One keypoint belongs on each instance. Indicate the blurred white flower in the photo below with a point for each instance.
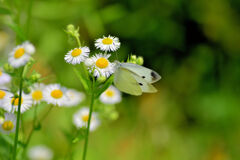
(4, 94)
(55, 94)
(77, 55)
(102, 66)
(88, 62)
(4, 78)
(11, 104)
(37, 92)
(111, 96)
(80, 119)
(73, 98)
(109, 43)
(18, 57)
(29, 47)
(40, 153)
(9, 123)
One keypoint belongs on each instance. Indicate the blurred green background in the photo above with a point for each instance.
(194, 45)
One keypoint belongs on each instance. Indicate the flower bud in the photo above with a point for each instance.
(1, 120)
(140, 61)
(70, 28)
(101, 79)
(35, 77)
(133, 57)
(27, 90)
(8, 68)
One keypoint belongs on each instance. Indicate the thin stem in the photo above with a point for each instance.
(78, 41)
(89, 122)
(46, 114)
(18, 115)
(33, 127)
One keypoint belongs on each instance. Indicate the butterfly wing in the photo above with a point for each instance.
(145, 86)
(148, 75)
(125, 82)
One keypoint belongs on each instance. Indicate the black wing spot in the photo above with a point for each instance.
(154, 75)
(143, 77)
(140, 84)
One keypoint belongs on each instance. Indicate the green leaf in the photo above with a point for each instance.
(8, 139)
(104, 86)
(5, 11)
(84, 80)
(81, 133)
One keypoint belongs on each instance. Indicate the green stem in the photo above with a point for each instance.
(46, 114)
(78, 41)
(33, 127)
(89, 122)
(18, 115)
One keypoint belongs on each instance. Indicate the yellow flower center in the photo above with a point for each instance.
(85, 118)
(57, 93)
(0, 72)
(102, 62)
(7, 125)
(37, 95)
(2, 94)
(76, 52)
(109, 93)
(15, 101)
(19, 53)
(107, 41)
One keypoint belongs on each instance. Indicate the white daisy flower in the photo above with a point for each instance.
(111, 96)
(4, 94)
(88, 62)
(18, 57)
(77, 55)
(9, 123)
(55, 94)
(101, 66)
(29, 47)
(109, 43)
(37, 92)
(11, 104)
(80, 119)
(73, 97)
(4, 77)
(40, 152)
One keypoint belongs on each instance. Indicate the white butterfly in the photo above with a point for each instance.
(135, 79)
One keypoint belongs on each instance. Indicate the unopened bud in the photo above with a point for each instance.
(70, 28)
(101, 79)
(26, 90)
(8, 68)
(35, 77)
(140, 61)
(133, 57)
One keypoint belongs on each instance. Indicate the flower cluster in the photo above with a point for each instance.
(98, 64)
(34, 92)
